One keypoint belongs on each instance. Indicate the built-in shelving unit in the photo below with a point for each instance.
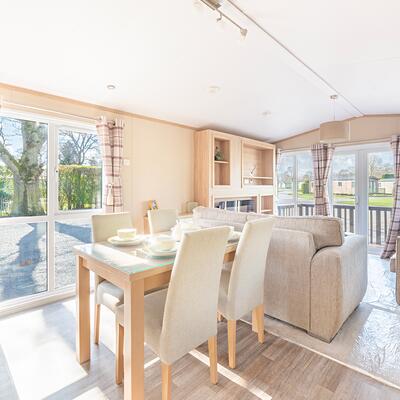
(234, 173)
(222, 172)
(266, 204)
(257, 163)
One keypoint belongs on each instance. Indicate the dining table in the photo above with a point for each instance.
(135, 272)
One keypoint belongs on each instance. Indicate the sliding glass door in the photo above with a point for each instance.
(343, 189)
(380, 195)
(295, 184)
(50, 184)
(360, 188)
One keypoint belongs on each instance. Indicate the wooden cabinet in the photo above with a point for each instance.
(234, 172)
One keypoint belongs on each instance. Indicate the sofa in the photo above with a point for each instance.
(315, 275)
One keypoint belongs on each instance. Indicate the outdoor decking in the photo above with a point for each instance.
(379, 218)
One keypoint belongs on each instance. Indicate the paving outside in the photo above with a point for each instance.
(23, 259)
(23, 269)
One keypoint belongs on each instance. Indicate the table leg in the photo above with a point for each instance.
(134, 341)
(82, 311)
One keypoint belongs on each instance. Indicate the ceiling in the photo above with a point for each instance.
(164, 55)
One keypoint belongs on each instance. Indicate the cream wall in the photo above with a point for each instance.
(363, 129)
(160, 153)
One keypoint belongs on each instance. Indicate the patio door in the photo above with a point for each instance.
(50, 185)
(345, 187)
(361, 187)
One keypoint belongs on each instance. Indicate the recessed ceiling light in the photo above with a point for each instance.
(266, 113)
(111, 87)
(214, 89)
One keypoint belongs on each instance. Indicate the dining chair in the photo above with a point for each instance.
(242, 286)
(107, 294)
(161, 220)
(180, 318)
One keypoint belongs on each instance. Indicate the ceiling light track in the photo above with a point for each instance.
(355, 110)
(215, 6)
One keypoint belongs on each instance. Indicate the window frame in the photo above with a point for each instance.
(59, 212)
(53, 213)
(296, 180)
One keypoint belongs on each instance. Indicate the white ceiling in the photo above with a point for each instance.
(163, 55)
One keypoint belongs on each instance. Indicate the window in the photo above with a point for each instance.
(79, 170)
(23, 167)
(295, 184)
(285, 171)
(44, 214)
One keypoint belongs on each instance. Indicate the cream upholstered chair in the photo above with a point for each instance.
(107, 294)
(178, 319)
(242, 286)
(161, 220)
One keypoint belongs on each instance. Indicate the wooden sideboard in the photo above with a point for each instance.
(241, 177)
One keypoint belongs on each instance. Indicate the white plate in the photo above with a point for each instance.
(117, 241)
(159, 253)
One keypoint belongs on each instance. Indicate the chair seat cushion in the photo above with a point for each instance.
(109, 295)
(223, 290)
(154, 305)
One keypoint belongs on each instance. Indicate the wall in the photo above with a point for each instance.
(161, 153)
(364, 129)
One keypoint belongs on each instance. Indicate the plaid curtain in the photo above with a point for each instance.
(322, 154)
(110, 134)
(394, 228)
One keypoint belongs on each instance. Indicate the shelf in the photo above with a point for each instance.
(257, 165)
(267, 204)
(222, 172)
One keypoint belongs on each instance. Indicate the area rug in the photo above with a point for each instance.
(369, 341)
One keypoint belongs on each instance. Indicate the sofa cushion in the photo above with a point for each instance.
(210, 217)
(327, 231)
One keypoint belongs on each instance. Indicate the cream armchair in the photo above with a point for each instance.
(179, 319)
(107, 294)
(242, 287)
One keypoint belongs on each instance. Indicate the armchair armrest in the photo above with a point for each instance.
(339, 278)
(287, 276)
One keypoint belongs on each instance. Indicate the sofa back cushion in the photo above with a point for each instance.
(326, 231)
(210, 217)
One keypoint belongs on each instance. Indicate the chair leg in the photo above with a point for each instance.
(166, 381)
(96, 323)
(119, 355)
(213, 355)
(259, 314)
(232, 343)
(254, 321)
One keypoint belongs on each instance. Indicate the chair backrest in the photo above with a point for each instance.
(246, 284)
(192, 299)
(106, 225)
(161, 220)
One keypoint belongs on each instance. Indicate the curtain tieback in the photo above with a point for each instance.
(110, 196)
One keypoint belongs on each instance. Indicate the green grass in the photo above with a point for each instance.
(373, 201)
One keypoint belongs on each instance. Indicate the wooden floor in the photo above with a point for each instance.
(37, 361)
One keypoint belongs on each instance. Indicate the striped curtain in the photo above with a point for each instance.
(394, 228)
(322, 154)
(110, 135)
